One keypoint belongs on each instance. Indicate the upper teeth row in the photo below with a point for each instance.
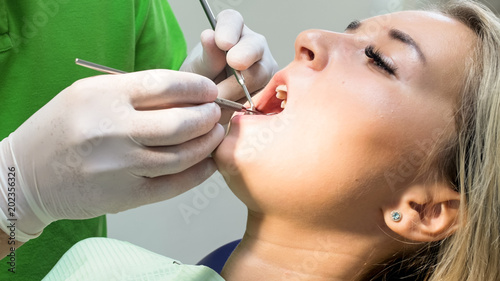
(282, 93)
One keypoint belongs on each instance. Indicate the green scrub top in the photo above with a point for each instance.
(39, 41)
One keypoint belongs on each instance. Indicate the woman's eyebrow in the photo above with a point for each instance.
(353, 25)
(405, 38)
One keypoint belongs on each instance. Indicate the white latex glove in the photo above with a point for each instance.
(107, 144)
(235, 44)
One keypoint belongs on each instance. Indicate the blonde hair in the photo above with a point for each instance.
(473, 252)
(472, 163)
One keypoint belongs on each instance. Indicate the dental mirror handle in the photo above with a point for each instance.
(232, 105)
(236, 73)
(223, 103)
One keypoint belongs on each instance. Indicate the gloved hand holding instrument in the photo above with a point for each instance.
(114, 142)
(107, 144)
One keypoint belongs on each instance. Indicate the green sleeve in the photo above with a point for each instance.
(39, 41)
(160, 41)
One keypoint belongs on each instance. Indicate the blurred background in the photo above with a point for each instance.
(192, 225)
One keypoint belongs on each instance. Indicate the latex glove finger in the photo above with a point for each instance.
(249, 53)
(228, 30)
(167, 160)
(255, 79)
(244, 47)
(166, 187)
(209, 58)
(162, 88)
(206, 58)
(147, 190)
(151, 128)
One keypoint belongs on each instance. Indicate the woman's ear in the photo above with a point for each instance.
(427, 212)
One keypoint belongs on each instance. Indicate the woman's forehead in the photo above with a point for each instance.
(429, 28)
(445, 42)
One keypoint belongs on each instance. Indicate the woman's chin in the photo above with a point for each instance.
(223, 152)
(224, 157)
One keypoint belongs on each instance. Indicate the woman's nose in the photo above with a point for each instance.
(313, 47)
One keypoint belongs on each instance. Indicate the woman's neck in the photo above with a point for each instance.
(273, 249)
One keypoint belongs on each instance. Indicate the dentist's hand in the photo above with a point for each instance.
(107, 144)
(235, 44)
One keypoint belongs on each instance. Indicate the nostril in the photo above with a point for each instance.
(307, 54)
(311, 54)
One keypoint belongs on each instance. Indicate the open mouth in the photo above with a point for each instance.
(271, 103)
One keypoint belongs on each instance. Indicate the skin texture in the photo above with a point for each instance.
(321, 178)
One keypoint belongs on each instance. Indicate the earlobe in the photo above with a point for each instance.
(424, 213)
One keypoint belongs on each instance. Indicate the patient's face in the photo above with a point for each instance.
(362, 109)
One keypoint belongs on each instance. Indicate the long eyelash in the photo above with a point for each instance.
(379, 60)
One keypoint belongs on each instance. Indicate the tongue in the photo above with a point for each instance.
(273, 105)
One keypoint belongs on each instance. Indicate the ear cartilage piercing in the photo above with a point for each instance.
(396, 216)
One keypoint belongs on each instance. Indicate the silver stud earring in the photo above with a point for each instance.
(396, 216)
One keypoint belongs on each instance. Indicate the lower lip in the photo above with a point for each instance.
(237, 116)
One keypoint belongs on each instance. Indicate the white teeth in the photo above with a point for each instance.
(282, 93)
(283, 104)
(281, 88)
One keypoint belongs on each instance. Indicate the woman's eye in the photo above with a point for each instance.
(379, 60)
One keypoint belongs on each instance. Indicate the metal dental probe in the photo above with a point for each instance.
(223, 103)
(236, 73)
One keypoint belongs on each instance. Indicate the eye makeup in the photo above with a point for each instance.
(380, 60)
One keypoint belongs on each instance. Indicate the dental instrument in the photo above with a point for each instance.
(223, 103)
(236, 73)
